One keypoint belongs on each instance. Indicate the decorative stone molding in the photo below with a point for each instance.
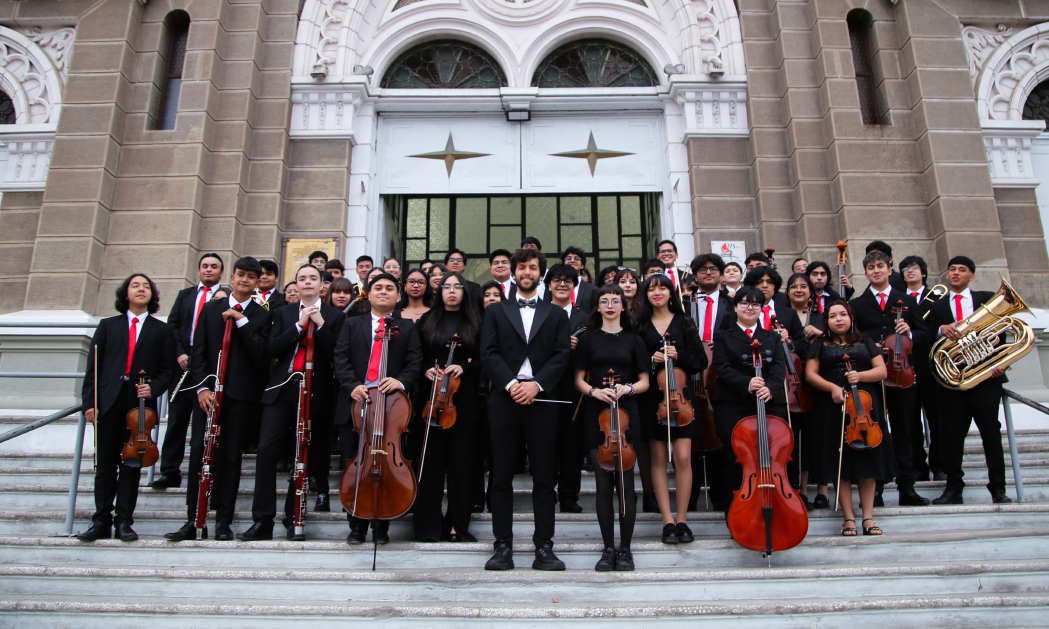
(31, 78)
(1008, 145)
(327, 111)
(712, 109)
(719, 35)
(519, 11)
(980, 42)
(28, 156)
(1009, 73)
(56, 42)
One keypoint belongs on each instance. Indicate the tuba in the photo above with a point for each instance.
(991, 338)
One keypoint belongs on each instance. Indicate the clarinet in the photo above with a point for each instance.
(302, 439)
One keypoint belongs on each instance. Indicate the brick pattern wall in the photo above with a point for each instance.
(19, 218)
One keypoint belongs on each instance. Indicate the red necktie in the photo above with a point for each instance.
(821, 302)
(957, 309)
(881, 298)
(506, 289)
(265, 295)
(750, 333)
(131, 338)
(201, 299)
(571, 297)
(768, 318)
(673, 277)
(708, 319)
(373, 362)
(300, 354)
(915, 295)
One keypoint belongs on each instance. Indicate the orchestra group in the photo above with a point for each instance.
(436, 392)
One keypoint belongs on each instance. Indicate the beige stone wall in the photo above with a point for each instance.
(317, 191)
(720, 175)
(1024, 240)
(19, 218)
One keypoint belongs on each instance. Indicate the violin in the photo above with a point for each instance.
(615, 454)
(440, 410)
(674, 410)
(799, 395)
(766, 514)
(378, 482)
(897, 349)
(140, 450)
(862, 432)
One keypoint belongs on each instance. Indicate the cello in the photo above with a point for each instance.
(862, 432)
(898, 348)
(615, 454)
(799, 395)
(440, 411)
(141, 450)
(766, 514)
(302, 439)
(378, 482)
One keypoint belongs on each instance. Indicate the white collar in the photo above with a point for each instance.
(141, 318)
(243, 304)
(876, 292)
(965, 293)
(303, 305)
(752, 329)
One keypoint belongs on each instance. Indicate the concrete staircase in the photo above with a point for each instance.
(972, 565)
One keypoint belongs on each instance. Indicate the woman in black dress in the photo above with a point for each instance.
(449, 452)
(610, 344)
(660, 314)
(826, 373)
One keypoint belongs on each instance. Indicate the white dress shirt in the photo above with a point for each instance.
(753, 329)
(715, 299)
(967, 306)
(772, 313)
(141, 321)
(507, 285)
(291, 365)
(375, 330)
(524, 372)
(243, 321)
(206, 296)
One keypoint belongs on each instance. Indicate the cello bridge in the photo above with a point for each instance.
(382, 452)
(766, 486)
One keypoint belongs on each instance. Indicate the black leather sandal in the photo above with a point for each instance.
(871, 530)
(848, 531)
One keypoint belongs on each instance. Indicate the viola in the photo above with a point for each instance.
(799, 395)
(140, 449)
(766, 514)
(615, 454)
(674, 410)
(898, 348)
(440, 410)
(862, 432)
(378, 482)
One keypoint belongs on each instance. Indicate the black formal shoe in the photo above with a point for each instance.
(545, 559)
(381, 536)
(223, 533)
(477, 509)
(949, 497)
(283, 466)
(322, 504)
(624, 560)
(939, 476)
(251, 448)
(258, 531)
(587, 465)
(820, 502)
(570, 506)
(125, 533)
(649, 503)
(607, 562)
(357, 535)
(911, 498)
(998, 496)
(289, 532)
(670, 534)
(166, 481)
(684, 534)
(97, 530)
(454, 537)
(805, 499)
(188, 531)
(878, 500)
(503, 559)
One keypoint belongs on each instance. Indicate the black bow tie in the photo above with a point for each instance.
(526, 303)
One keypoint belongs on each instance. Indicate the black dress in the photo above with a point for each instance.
(826, 421)
(623, 353)
(691, 358)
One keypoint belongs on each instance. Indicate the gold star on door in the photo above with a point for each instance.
(591, 154)
(449, 155)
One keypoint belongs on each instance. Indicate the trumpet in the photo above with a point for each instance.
(934, 294)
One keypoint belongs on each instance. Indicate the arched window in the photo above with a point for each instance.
(594, 63)
(444, 65)
(177, 25)
(7, 110)
(859, 26)
(1037, 105)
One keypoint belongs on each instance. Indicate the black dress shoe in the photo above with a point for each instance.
(607, 562)
(289, 532)
(911, 498)
(223, 533)
(570, 506)
(503, 559)
(998, 496)
(357, 535)
(624, 560)
(259, 531)
(649, 503)
(684, 534)
(125, 533)
(188, 531)
(878, 500)
(322, 504)
(479, 508)
(165, 481)
(939, 476)
(949, 497)
(454, 537)
(97, 530)
(545, 559)
(670, 534)
(821, 502)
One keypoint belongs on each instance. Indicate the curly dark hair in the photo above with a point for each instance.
(122, 303)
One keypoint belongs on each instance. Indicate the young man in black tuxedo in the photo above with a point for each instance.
(499, 267)
(183, 321)
(915, 272)
(525, 349)
(561, 281)
(280, 399)
(124, 345)
(666, 251)
(980, 403)
(769, 282)
(895, 279)
(819, 276)
(584, 296)
(356, 372)
(242, 389)
(874, 318)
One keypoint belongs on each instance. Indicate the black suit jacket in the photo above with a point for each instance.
(585, 301)
(247, 350)
(566, 389)
(277, 301)
(942, 312)
(726, 313)
(181, 318)
(504, 349)
(878, 324)
(353, 351)
(284, 340)
(154, 354)
(734, 365)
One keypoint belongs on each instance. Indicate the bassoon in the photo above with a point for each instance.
(211, 433)
(302, 439)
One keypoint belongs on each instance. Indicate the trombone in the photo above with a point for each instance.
(934, 294)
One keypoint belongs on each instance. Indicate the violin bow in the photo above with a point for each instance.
(94, 425)
(429, 416)
(666, 397)
(841, 447)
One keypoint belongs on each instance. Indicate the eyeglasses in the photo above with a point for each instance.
(416, 282)
(452, 287)
(610, 303)
(392, 266)
(662, 251)
(459, 260)
(746, 305)
(913, 267)
(561, 281)
(573, 259)
(706, 269)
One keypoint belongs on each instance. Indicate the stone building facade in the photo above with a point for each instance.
(755, 125)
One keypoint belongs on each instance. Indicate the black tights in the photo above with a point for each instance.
(605, 514)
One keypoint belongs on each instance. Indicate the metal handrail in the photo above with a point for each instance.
(1013, 454)
(39, 374)
(49, 324)
(21, 430)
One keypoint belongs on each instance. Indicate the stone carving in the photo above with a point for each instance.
(330, 31)
(980, 43)
(57, 43)
(323, 111)
(29, 76)
(1011, 71)
(519, 10)
(707, 15)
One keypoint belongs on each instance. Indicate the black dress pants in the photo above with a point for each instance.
(901, 404)
(273, 424)
(927, 401)
(322, 437)
(226, 467)
(173, 451)
(348, 447)
(449, 454)
(115, 481)
(569, 452)
(511, 425)
(958, 410)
